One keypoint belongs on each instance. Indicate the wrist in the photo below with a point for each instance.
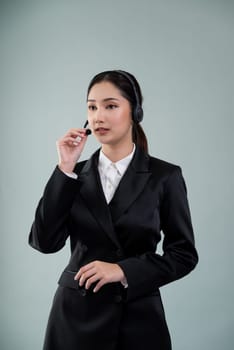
(123, 279)
(66, 168)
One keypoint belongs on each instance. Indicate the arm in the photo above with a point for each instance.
(49, 230)
(149, 271)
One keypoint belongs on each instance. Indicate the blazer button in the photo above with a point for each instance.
(119, 253)
(117, 298)
(83, 292)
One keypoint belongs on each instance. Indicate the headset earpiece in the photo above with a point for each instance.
(137, 113)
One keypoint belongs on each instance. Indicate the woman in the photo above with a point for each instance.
(113, 207)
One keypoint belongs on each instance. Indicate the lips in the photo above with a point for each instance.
(101, 130)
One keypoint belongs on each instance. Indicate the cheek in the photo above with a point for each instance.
(90, 119)
(124, 120)
(123, 115)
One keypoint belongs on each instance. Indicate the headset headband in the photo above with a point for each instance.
(137, 113)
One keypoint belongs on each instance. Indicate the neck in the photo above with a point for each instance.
(115, 153)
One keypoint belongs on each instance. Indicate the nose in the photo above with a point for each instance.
(99, 116)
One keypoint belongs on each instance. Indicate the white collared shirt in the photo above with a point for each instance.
(111, 173)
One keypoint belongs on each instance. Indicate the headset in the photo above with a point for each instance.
(137, 111)
(87, 131)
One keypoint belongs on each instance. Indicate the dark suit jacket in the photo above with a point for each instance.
(150, 198)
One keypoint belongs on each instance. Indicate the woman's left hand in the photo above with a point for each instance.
(101, 272)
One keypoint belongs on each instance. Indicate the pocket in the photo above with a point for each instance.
(67, 280)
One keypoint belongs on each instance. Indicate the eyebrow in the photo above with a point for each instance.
(104, 100)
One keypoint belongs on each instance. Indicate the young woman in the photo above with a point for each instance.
(113, 207)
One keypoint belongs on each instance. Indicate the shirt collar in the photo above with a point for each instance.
(121, 165)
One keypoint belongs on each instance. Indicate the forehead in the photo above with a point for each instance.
(104, 90)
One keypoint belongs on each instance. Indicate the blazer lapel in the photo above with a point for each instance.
(92, 193)
(131, 185)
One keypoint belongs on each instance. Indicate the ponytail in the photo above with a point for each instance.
(139, 137)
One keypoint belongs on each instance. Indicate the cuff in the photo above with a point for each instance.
(124, 282)
(72, 175)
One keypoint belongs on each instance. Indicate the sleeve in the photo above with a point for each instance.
(149, 271)
(49, 229)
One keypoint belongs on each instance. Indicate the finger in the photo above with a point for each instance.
(92, 280)
(99, 285)
(79, 137)
(86, 275)
(73, 134)
(69, 139)
(74, 131)
(83, 269)
(80, 140)
(72, 137)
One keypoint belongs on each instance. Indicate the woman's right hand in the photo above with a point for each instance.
(69, 148)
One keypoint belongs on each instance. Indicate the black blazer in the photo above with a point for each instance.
(150, 199)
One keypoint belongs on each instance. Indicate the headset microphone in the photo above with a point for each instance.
(88, 131)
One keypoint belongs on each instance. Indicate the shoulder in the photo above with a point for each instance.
(163, 167)
(170, 174)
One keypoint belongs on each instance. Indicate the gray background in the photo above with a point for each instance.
(182, 54)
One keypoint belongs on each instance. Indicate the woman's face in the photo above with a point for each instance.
(109, 114)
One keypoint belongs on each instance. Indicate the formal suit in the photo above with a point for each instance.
(151, 197)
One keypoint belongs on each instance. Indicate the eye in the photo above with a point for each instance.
(92, 107)
(111, 106)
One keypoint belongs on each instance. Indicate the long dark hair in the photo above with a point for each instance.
(125, 86)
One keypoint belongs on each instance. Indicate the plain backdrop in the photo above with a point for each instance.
(182, 54)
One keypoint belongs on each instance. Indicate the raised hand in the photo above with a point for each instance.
(69, 148)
